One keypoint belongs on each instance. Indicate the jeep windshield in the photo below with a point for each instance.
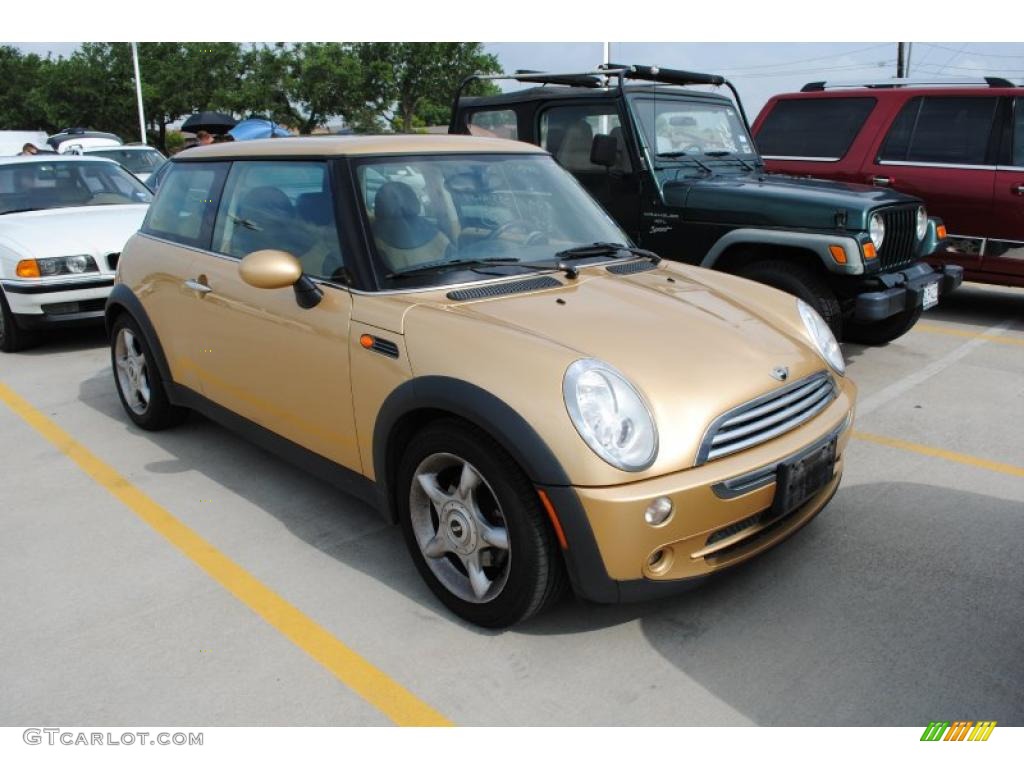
(457, 218)
(695, 137)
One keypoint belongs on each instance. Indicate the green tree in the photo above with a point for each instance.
(19, 75)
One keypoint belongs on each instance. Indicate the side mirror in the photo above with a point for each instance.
(279, 269)
(604, 151)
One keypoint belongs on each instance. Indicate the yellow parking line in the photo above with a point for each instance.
(927, 450)
(941, 329)
(373, 685)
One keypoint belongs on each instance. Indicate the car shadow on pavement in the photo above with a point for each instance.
(68, 340)
(980, 305)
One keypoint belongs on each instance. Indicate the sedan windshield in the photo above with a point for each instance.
(676, 129)
(33, 186)
(434, 218)
(135, 160)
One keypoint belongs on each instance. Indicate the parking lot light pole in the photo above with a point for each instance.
(138, 93)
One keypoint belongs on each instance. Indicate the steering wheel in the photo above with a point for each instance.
(533, 236)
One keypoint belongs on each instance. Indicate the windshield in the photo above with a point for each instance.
(695, 129)
(499, 213)
(135, 160)
(67, 184)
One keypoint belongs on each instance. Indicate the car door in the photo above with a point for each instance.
(178, 224)
(567, 131)
(263, 356)
(1004, 252)
(941, 149)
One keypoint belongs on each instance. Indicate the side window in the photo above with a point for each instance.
(568, 134)
(499, 123)
(1018, 133)
(819, 129)
(952, 130)
(284, 205)
(184, 210)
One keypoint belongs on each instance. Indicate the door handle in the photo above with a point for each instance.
(1018, 190)
(197, 286)
(881, 181)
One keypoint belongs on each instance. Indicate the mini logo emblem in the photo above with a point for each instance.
(780, 373)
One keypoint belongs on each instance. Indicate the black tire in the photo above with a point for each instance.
(157, 413)
(881, 331)
(13, 338)
(802, 282)
(535, 571)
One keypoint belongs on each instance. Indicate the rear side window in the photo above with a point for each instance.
(281, 205)
(184, 210)
(568, 134)
(500, 123)
(950, 130)
(1018, 133)
(816, 129)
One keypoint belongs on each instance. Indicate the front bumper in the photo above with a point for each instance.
(721, 515)
(57, 303)
(904, 290)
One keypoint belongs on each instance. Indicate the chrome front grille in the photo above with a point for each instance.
(900, 236)
(767, 417)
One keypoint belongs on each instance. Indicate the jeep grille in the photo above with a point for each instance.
(900, 236)
(766, 417)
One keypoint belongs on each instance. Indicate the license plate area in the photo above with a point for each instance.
(799, 479)
(930, 295)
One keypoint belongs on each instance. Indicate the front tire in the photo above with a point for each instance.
(803, 283)
(12, 338)
(882, 331)
(138, 382)
(475, 527)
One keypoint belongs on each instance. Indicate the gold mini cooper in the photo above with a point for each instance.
(451, 328)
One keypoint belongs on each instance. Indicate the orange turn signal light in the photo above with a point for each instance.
(838, 253)
(869, 251)
(27, 268)
(366, 341)
(941, 231)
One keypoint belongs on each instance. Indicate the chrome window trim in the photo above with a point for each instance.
(802, 159)
(960, 166)
(1019, 168)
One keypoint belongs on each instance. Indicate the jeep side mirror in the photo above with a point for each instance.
(604, 150)
(279, 269)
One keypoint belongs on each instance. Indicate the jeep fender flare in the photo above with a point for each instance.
(122, 299)
(816, 243)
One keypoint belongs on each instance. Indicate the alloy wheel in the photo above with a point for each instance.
(132, 371)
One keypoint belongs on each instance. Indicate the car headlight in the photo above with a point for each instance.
(876, 228)
(610, 415)
(922, 222)
(822, 337)
(58, 265)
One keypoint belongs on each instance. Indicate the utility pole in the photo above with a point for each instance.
(900, 54)
(138, 93)
(607, 53)
(906, 64)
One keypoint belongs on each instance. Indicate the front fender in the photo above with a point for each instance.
(816, 243)
(122, 299)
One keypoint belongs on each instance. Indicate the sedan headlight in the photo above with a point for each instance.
(822, 337)
(922, 222)
(610, 415)
(876, 228)
(58, 265)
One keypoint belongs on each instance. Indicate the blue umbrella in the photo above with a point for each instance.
(257, 128)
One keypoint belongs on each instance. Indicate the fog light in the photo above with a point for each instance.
(658, 511)
(661, 561)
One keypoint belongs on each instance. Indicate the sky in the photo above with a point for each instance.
(759, 70)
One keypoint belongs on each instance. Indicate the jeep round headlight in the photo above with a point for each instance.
(822, 337)
(610, 415)
(876, 228)
(922, 222)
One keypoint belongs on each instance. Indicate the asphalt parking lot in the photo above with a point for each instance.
(188, 577)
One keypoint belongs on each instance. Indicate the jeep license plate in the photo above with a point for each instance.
(931, 295)
(796, 481)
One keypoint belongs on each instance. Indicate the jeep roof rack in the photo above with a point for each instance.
(904, 82)
(602, 77)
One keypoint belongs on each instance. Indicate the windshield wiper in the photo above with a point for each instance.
(445, 263)
(677, 154)
(20, 210)
(725, 153)
(604, 249)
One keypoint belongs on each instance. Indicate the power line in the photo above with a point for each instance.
(817, 70)
(803, 61)
(976, 53)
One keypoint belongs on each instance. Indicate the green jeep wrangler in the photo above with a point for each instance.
(676, 167)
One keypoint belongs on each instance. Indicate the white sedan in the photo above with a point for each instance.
(63, 222)
(137, 158)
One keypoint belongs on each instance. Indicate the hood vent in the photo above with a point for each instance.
(504, 289)
(631, 268)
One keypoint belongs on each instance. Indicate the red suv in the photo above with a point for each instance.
(959, 146)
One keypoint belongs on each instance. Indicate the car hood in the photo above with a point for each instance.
(779, 201)
(692, 350)
(95, 230)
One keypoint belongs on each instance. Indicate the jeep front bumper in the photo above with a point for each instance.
(904, 290)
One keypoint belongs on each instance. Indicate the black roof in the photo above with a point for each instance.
(79, 133)
(547, 92)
